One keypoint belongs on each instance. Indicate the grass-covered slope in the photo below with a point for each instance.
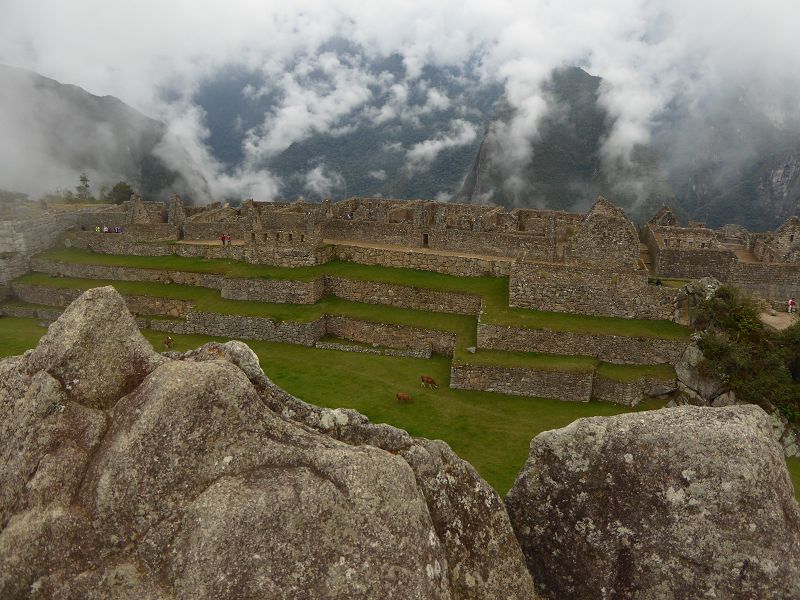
(493, 290)
(490, 430)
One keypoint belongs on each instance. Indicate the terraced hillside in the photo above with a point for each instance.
(396, 324)
(492, 346)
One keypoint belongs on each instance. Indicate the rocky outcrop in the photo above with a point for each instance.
(686, 502)
(130, 474)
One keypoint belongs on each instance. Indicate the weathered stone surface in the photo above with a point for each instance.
(205, 480)
(688, 371)
(679, 503)
(95, 350)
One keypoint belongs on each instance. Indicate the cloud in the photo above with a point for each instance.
(652, 54)
(378, 175)
(322, 182)
(421, 155)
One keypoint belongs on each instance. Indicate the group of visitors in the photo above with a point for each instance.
(106, 229)
(225, 238)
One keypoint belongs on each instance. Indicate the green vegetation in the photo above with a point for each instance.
(493, 290)
(761, 366)
(492, 431)
(794, 472)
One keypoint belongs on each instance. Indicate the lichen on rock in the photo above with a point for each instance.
(686, 502)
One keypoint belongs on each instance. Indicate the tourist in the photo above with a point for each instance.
(658, 283)
(228, 239)
(792, 305)
(222, 238)
(97, 229)
(105, 228)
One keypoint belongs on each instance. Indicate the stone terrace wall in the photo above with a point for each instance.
(589, 291)
(212, 231)
(694, 263)
(394, 336)
(150, 232)
(610, 348)
(297, 254)
(402, 296)
(568, 386)
(274, 290)
(278, 290)
(248, 328)
(491, 243)
(559, 385)
(778, 281)
(20, 239)
(206, 280)
(140, 305)
(629, 393)
(450, 265)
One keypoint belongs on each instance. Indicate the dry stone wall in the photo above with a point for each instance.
(141, 305)
(402, 296)
(440, 263)
(571, 386)
(589, 291)
(561, 385)
(609, 348)
(207, 280)
(248, 328)
(395, 336)
(212, 231)
(273, 290)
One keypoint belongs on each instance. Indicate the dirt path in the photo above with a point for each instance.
(779, 321)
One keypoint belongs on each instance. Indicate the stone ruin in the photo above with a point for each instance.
(132, 474)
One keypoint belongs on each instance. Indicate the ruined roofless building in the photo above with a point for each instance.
(592, 263)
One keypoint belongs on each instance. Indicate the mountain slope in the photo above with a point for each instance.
(718, 163)
(52, 132)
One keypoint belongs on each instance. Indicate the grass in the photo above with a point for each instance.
(210, 300)
(794, 473)
(492, 431)
(493, 290)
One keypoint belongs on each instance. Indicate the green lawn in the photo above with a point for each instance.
(492, 431)
(494, 290)
(210, 300)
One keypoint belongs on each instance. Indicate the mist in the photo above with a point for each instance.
(699, 63)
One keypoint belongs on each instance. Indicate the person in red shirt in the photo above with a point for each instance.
(792, 305)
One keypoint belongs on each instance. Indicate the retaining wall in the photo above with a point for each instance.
(402, 296)
(395, 336)
(589, 291)
(140, 305)
(560, 385)
(426, 261)
(609, 348)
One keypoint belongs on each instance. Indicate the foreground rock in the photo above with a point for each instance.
(681, 503)
(193, 476)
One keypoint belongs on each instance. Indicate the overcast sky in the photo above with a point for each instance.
(649, 53)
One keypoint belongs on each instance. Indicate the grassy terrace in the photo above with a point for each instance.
(463, 326)
(492, 431)
(494, 290)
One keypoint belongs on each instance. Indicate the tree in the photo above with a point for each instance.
(82, 191)
(121, 192)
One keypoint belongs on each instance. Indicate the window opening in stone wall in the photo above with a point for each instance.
(290, 237)
(791, 238)
(424, 240)
(253, 237)
(278, 237)
(302, 238)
